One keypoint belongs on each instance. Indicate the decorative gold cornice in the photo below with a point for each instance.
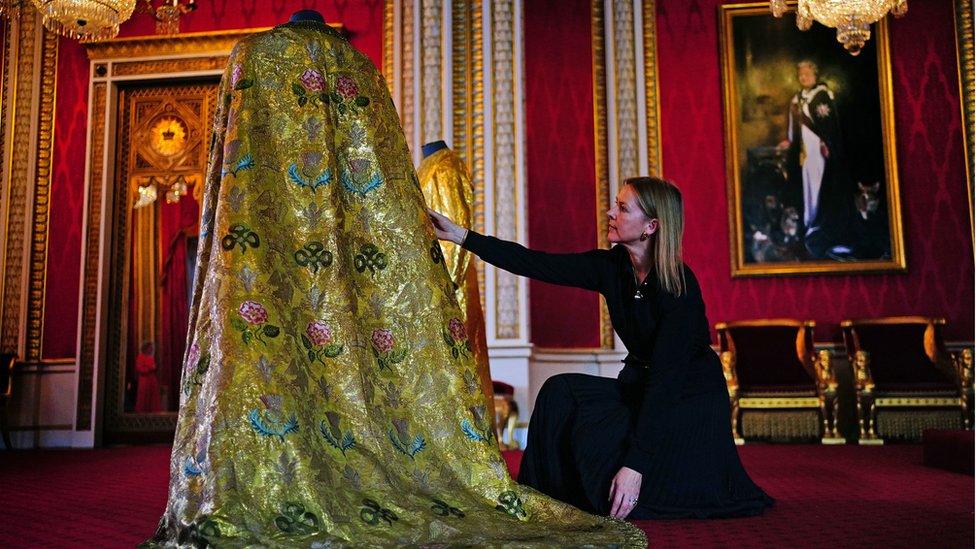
(189, 43)
(967, 93)
(132, 68)
(37, 266)
(200, 43)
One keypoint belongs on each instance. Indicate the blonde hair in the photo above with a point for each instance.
(660, 199)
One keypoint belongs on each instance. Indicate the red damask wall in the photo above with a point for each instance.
(559, 162)
(939, 281)
(363, 20)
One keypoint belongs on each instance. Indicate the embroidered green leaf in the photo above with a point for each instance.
(238, 324)
(271, 330)
(297, 89)
(306, 343)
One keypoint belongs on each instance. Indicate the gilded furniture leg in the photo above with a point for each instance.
(732, 384)
(866, 410)
(827, 393)
(963, 361)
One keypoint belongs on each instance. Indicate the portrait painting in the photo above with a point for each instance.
(810, 148)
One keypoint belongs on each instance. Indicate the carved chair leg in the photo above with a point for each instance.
(828, 410)
(866, 413)
(736, 413)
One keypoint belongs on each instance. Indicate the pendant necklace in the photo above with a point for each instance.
(637, 293)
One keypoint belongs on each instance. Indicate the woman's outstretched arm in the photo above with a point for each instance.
(586, 270)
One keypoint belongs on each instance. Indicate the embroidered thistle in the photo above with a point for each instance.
(313, 256)
(240, 235)
(270, 422)
(480, 431)
(402, 441)
(372, 513)
(311, 183)
(334, 435)
(243, 163)
(254, 324)
(360, 177)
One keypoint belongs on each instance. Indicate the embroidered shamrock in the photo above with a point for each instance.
(436, 255)
(240, 235)
(371, 513)
(295, 520)
(443, 509)
(510, 503)
(369, 257)
(313, 256)
(253, 322)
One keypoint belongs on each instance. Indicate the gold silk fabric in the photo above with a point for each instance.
(446, 183)
(323, 403)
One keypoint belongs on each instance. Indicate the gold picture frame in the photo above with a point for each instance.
(782, 220)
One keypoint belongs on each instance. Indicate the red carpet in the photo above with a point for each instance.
(836, 496)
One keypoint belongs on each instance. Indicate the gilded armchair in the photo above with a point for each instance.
(779, 385)
(905, 379)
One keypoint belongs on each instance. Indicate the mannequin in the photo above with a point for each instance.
(306, 15)
(446, 184)
(432, 147)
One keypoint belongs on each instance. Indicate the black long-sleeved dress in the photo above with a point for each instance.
(666, 415)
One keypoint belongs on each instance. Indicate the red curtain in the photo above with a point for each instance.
(177, 224)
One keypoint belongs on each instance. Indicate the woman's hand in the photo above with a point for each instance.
(445, 229)
(624, 491)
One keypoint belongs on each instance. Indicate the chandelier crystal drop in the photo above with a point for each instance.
(851, 18)
(85, 20)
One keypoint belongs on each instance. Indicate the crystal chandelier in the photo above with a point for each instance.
(851, 18)
(86, 20)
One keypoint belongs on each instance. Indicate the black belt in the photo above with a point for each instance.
(637, 362)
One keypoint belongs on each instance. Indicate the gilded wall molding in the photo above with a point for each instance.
(967, 93)
(407, 62)
(388, 26)
(37, 266)
(136, 68)
(505, 161)
(432, 81)
(625, 96)
(26, 60)
(5, 114)
(600, 147)
(652, 101)
(92, 247)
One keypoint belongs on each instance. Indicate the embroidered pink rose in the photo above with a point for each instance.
(346, 87)
(312, 80)
(319, 333)
(383, 340)
(192, 356)
(253, 312)
(458, 332)
(236, 75)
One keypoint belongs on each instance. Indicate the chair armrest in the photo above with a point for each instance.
(826, 377)
(863, 381)
(963, 363)
(728, 369)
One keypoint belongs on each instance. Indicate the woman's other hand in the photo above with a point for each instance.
(445, 229)
(624, 491)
